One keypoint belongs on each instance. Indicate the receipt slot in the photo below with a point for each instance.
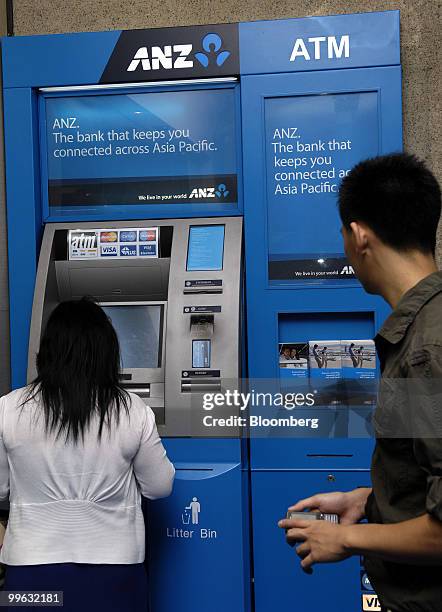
(195, 541)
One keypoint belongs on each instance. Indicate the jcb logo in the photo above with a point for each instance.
(206, 192)
(168, 57)
(347, 270)
(370, 603)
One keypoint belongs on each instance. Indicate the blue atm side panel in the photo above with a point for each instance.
(24, 218)
(300, 288)
(201, 528)
(280, 583)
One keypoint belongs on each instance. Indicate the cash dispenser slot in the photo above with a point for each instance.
(142, 391)
(152, 394)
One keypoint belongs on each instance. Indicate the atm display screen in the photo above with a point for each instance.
(206, 248)
(139, 331)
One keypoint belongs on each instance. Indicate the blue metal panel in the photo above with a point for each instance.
(266, 304)
(56, 60)
(215, 450)
(280, 584)
(198, 538)
(24, 223)
(267, 46)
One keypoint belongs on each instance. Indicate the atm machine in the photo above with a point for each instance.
(133, 161)
(177, 315)
(149, 224)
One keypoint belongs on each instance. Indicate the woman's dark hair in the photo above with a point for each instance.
(397, 196)
(78, 367)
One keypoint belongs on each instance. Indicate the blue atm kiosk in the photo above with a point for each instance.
(187, 178)
(305, 123)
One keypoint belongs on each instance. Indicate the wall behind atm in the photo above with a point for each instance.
(421, 23)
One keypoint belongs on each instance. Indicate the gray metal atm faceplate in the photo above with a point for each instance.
(217, 290)
(183, 409)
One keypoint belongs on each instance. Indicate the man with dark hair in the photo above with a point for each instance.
(390, 207)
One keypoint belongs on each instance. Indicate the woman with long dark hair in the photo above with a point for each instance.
(76, 454)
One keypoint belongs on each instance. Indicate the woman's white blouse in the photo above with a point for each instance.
(78, 503)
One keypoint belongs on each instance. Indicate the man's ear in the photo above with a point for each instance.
(360, 237)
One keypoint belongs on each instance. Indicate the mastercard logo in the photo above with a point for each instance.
(108, 237)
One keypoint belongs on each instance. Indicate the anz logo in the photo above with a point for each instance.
(209, 192)
(175, 57)
(167, 57)
(347, 270)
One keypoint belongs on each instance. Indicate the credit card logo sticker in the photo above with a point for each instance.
(148, 250)
(128, 236)
(147, 235)
(370, 603)
(109, 251)
(109, 242)
(83, 245)
(365, 582)
(108, 237)
(128, 251)
(83, 240)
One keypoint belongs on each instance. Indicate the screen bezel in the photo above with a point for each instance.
(206, 225)
(146, 375)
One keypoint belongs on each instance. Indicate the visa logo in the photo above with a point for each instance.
(370, 603)
(109, 251)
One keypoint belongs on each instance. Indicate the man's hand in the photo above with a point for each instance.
(417, 541)
(319, 541)
(349, 506)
